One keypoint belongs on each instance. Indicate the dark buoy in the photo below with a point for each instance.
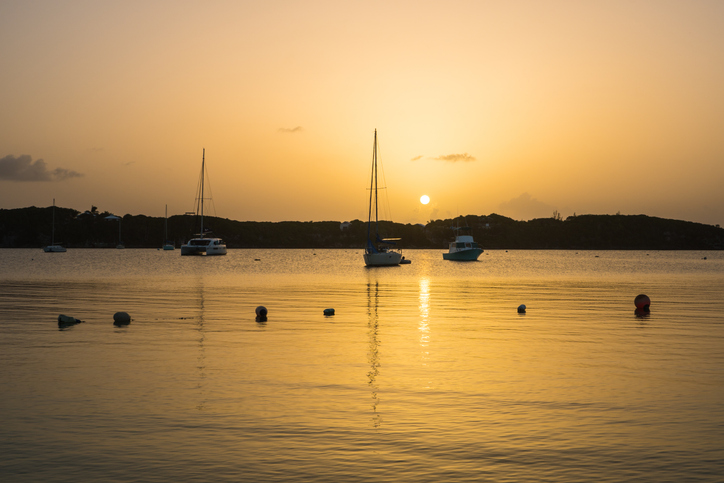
(66, 320)
(261, 313)
(642, 302)
(521, 309)
(121, 318)
(328, 311)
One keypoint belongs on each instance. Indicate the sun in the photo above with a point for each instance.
(424, 199)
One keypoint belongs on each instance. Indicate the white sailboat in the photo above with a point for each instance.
(203, 245)
(167, 245)
(53, 248)
(378, 251)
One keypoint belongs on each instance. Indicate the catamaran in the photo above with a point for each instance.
(378, 251)
(203, 245)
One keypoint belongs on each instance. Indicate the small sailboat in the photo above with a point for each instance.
(378, 251)
(167, 245)
(463, 248)
(53, 248)
(120, 245)
(201, 245)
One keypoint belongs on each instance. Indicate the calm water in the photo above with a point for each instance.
(426, 372)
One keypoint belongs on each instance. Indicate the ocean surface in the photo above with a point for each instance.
(425, 373)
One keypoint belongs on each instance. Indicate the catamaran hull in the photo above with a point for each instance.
(202, 251)
(204, 246)
(463, 255)
(382, 259)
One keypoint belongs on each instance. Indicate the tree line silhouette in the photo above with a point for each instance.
(31, 228)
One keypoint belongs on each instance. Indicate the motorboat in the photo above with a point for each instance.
(463, 248)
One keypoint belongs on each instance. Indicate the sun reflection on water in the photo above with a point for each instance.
(424, 326)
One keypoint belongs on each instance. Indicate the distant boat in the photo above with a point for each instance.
(463, 248)
(378, 251)
(203, 245)
(167, 244)
(53, 248)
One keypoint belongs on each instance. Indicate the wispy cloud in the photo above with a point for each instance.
(23, 168)
(454, 158)
(416, 158)
(286, 130)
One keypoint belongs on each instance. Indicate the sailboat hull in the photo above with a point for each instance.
(54, 249)
(384, 259)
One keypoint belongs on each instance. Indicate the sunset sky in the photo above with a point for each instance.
(518, 108)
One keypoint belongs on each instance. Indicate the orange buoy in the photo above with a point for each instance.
(642, 302)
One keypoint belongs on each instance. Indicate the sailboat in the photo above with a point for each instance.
(203, 245)
(167, 245)
(378, 252)
(53, 248)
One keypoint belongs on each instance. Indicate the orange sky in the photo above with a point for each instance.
(511, 107)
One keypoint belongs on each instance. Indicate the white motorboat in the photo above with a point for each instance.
(463, 248)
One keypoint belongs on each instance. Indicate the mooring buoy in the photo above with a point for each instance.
(261, 313)
(121, 318)
(642, 302)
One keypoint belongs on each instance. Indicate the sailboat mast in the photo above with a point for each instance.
(376, 185)
(52, 236)
(203, 169)
(373, 191)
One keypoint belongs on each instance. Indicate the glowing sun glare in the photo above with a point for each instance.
(424, 199)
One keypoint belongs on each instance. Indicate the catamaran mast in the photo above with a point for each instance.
(203, 169)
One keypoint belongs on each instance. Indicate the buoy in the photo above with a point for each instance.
(261, 313)
(642, 302)
(521, 309)
(328, 311)
(68, 320)
(121, 318)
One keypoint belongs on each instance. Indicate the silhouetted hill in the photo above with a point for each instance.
(31, 228)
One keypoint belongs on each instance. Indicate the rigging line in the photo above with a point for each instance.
(386, 207)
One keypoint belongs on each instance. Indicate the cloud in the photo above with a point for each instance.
(23, 168)
(454, 158)
(285, 130)
(525, 207)
(416, 158)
